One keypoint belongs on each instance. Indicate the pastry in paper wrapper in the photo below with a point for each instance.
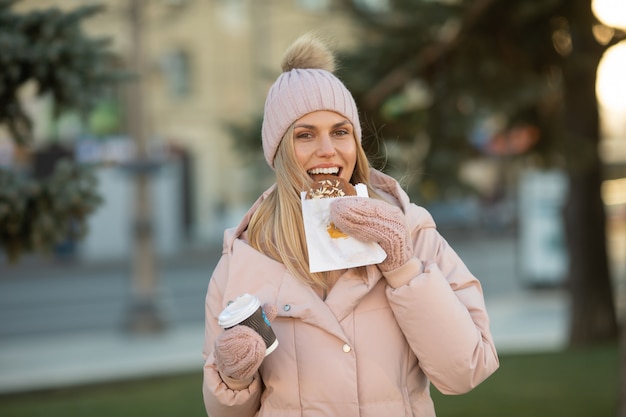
(329, 248)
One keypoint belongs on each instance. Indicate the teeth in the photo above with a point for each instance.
(333, 170)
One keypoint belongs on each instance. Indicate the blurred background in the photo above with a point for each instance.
(130, 138)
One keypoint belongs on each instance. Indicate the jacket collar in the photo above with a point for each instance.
(390, 189)
(235, 233)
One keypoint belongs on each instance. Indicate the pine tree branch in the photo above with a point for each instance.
(425, 59)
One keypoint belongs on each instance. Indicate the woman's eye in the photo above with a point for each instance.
(303, 135)
(341, 132)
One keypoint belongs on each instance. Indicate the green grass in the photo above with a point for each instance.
(575, 383)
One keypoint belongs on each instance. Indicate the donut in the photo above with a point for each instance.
(330, 186)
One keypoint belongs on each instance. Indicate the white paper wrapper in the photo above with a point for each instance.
(327, 253)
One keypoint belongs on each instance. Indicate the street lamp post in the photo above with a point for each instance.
(144, 315)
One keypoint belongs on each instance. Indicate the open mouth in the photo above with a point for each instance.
(315, 172)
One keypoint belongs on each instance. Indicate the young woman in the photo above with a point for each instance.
(364, 341)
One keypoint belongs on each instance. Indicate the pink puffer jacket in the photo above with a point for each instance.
(369, 350)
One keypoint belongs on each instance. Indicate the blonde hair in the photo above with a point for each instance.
(276, 228)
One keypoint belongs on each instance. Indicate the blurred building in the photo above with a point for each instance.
(208, 65)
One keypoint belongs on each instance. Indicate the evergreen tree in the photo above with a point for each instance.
(48, 48)
(531, 63)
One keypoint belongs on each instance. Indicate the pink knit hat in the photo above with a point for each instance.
(306, 85)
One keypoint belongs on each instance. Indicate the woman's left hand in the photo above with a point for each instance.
(372, 220)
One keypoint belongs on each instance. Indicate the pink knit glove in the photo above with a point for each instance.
(372, 220)
(239, 351)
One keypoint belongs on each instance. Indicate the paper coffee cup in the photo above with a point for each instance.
(246, 310)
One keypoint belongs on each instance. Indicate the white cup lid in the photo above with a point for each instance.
(237, 311)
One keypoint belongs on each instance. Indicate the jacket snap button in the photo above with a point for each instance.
(346, 348)
(286, 307)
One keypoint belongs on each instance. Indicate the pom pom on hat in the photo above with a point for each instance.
(308, 52)
(307, 84)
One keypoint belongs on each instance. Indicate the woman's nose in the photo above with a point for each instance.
(326, 147)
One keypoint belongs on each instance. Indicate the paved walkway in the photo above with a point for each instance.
(522, 320)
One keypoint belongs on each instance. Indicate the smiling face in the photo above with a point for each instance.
(324, 143)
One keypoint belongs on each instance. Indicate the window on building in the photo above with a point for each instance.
(374, 6)
(176, 72)
(313, 5)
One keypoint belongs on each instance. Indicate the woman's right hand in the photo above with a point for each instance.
(239, 352)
